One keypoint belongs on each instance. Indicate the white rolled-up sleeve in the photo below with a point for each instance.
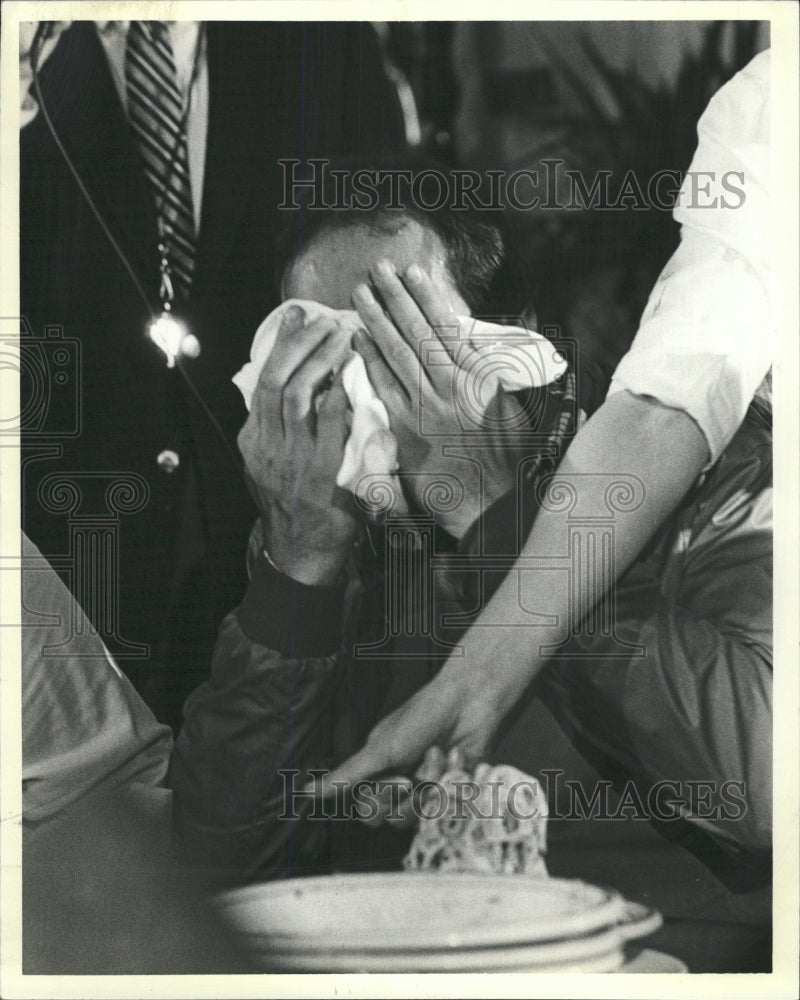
(705, 341)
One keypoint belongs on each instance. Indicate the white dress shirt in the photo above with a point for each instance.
(705, 342)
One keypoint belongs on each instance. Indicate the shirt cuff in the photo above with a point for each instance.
(290, 617)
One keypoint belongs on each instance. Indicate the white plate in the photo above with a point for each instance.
(598, 953)
(403, 911)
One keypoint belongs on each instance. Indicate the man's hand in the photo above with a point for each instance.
(479, 467)
(459, 709)
(394, 797)
(292, 445)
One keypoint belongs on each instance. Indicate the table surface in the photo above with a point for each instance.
(715, 946)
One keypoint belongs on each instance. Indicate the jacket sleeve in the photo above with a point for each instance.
(255, 729)
(686, 705)
(85, 730)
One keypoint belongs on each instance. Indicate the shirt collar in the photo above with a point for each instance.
(106, 27)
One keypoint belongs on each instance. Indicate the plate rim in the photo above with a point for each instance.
(608, 909)
(607, 948)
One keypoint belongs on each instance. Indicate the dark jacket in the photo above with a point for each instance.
(693, 704)
(276, 90)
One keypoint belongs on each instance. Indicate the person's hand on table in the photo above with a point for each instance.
(417, 319)
(461, 710)
(394, 796)
(292, 445)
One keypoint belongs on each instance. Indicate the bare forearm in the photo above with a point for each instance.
(630, 436)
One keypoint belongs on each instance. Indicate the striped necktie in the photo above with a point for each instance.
(156, 113)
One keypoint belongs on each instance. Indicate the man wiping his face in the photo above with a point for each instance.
(333, 439)
(477, 359)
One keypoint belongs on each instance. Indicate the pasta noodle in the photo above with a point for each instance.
(491, 820)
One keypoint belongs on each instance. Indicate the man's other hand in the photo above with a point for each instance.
(476, 469)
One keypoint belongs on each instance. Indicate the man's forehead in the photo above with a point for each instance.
(336, 260)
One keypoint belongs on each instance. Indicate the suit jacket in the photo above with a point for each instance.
(99, 401)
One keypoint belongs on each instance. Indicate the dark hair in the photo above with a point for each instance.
(472, 239)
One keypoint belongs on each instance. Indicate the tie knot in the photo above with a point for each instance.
(154, 31)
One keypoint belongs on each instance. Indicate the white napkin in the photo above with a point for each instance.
(505, 357)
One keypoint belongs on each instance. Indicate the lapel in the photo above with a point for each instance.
(84, 105)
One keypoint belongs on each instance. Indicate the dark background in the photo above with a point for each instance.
(610, 95)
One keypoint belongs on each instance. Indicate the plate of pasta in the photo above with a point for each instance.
(474, 895)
